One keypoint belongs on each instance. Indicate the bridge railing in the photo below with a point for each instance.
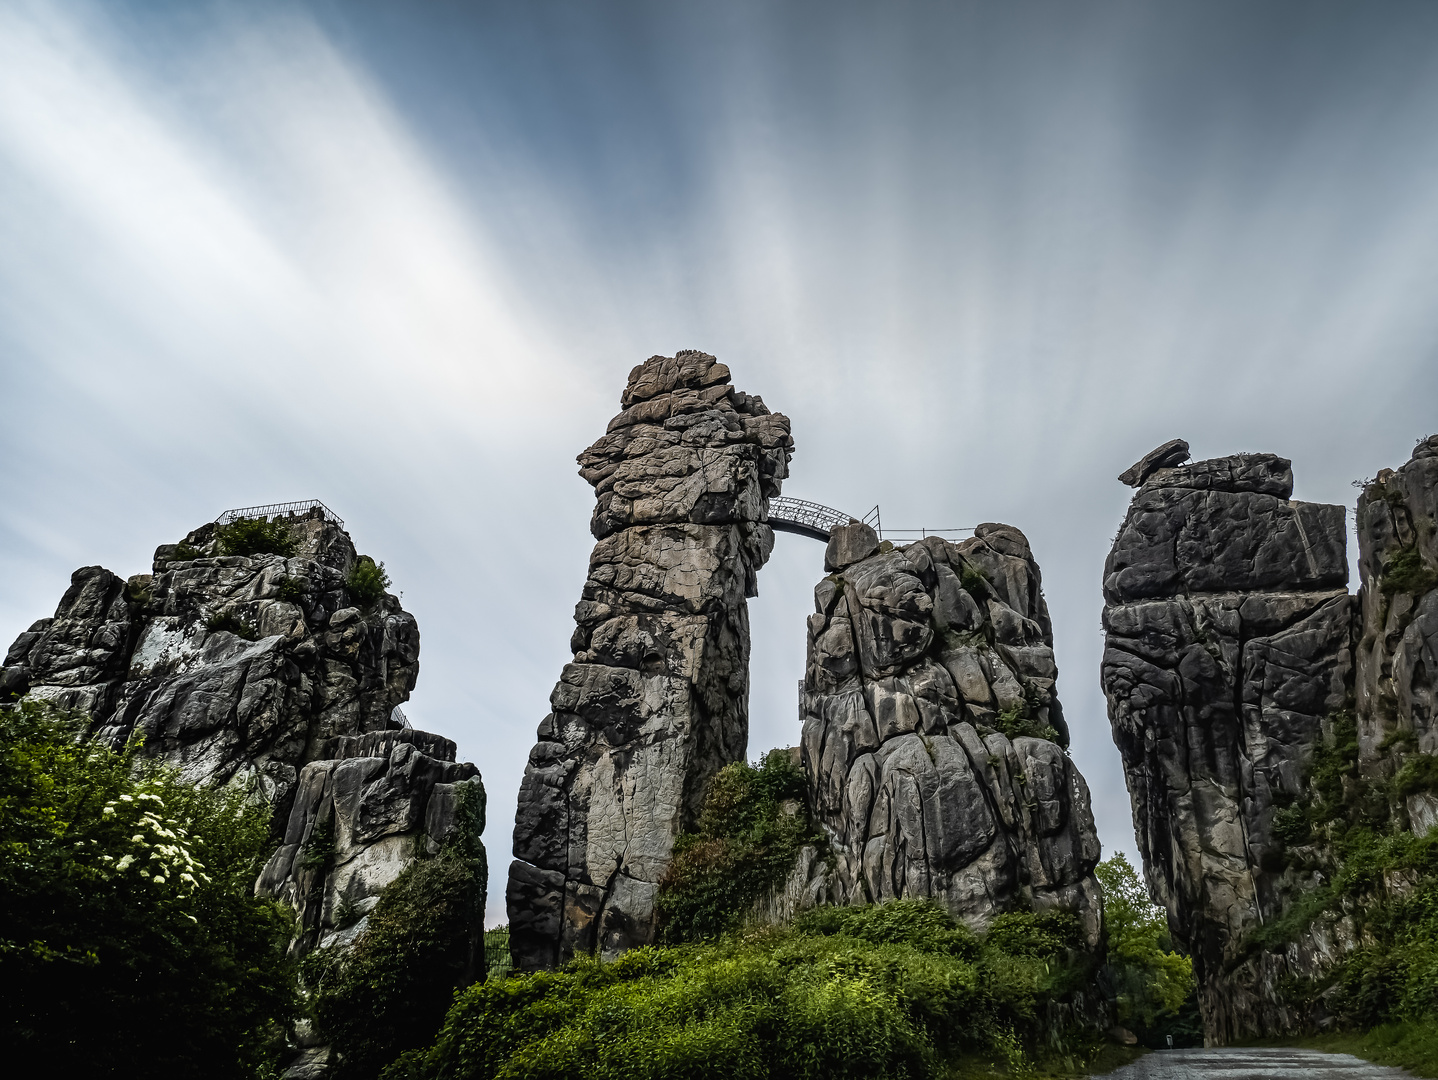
(283, 509)
(817, 520)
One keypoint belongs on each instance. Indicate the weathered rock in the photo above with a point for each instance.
(656, 699)
(361, 814)
(263, 670)
(1172, 453)
(141, 657)
(919, 659)
(1230, 656)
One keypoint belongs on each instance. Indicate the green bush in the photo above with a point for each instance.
(894, 990)
(390, 991)
(742, 845)
(1406, 572)
(229, 622)
(256, 536)
(290, 589)
(1419, 773)
(185, 552)
(367, 581)
(130, 940)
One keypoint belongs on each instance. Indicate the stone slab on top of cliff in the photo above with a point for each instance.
(1224, 525)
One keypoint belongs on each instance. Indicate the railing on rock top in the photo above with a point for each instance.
(284, 509)
(816, 520)
(397, 716)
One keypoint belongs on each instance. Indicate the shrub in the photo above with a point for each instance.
(229, 622)
(1419, 773)
(256, 536)
(129, 936)
(742, 845)
(1408, 573)
(290, 589)
(185, 552)
(390, 991)
(367, 581)
(892, 990)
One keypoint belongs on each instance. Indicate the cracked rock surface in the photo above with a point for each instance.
(920, 659)
(1229, 644)
(1233, 647)
(656, 699)
(296, 698)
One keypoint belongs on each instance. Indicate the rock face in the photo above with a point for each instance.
(298, 663)
(262, 669)
(1397, 703)
(656, 699)
(360, 814)
(932, 736)
(1230, 656)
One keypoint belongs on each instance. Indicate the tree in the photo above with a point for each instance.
(130, 940)
(1153, 982)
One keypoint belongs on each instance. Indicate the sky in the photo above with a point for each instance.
(400, 257)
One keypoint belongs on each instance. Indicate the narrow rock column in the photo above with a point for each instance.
(1229, 649)
(656, 699)
(933, 737)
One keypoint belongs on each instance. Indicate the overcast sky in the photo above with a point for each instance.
(401, 257)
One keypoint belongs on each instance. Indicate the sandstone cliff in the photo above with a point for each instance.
(656, 699)
(933, 737)
(263, 669)
(1230, 670)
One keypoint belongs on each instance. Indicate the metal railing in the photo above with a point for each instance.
(817, 520)
(284, 509)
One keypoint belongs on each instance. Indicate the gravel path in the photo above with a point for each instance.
(1234, 1063)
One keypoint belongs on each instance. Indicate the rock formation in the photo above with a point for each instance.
(1230, 659)
(656, 699)
(933, 738)
(263, 669)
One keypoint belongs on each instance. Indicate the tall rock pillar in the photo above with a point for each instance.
(1229, 654)
(656, 699)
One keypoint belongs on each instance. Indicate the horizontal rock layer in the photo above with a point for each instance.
(1233, 648)
(656, 698)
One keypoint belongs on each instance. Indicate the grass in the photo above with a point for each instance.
(1412, 1045)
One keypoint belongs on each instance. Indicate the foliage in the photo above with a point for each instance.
(367, 581)
(743, 844)
(1018, 721)
(497, 962)
(974, 581)
(185, 552)
(1376, 875)
(1152, 982)
(290, 589)
(230, 622)
(389, 992)
(256, 536)
(1412, 1045)
(894, 990)
(1406, 572)
(130, 941)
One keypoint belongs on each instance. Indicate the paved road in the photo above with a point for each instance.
(1233, 1063)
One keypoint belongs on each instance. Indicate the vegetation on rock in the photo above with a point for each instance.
(390, 990)
(753, 824)
(367, 581)
(256, 536)
(130, 939)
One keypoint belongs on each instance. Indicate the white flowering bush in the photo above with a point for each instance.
(130, 939)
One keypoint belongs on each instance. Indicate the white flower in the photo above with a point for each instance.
(187, 877)
(138, 838)
(108, 810)
(124, 864)
(126, 798)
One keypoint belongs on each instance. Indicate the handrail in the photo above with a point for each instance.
(269, 510)
(817, 520)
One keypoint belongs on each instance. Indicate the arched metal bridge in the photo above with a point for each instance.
(816, 520)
